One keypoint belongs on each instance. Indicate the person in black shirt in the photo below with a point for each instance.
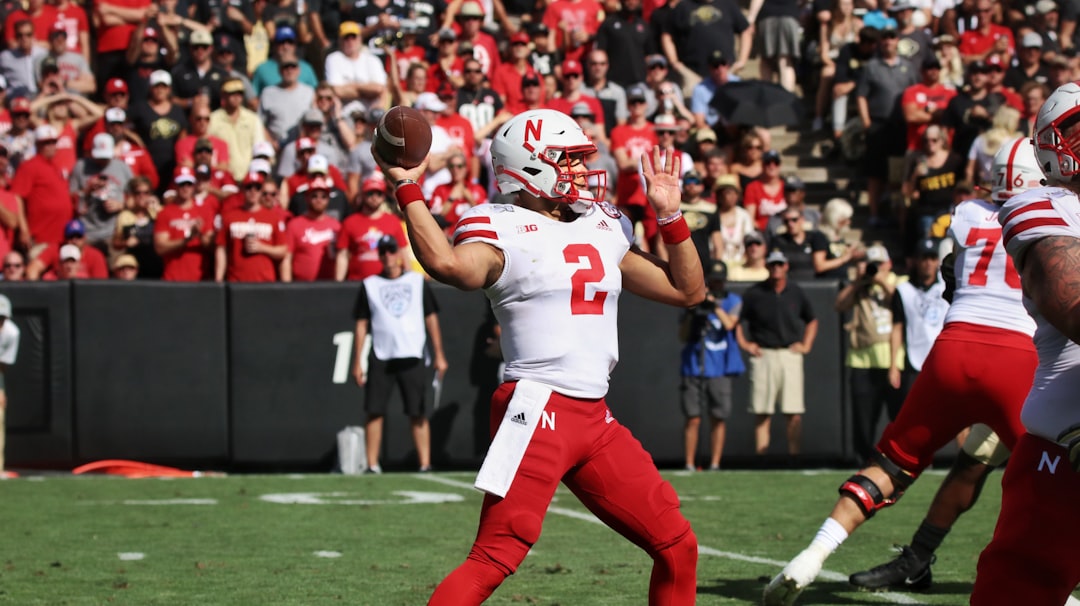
(804, 250)
(849, 66)
(970, 111)
(198, 75)
(777, 330)
(629, 38)
(160, 123)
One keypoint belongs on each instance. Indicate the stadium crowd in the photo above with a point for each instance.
(204, 140)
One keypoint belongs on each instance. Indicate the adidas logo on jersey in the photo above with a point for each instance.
(603, 225)
(519, 418)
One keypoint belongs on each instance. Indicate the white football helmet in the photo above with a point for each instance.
(532, 152)
(1059, 158)
(1015, 169)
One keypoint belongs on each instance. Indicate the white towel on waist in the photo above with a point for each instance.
(512, 438)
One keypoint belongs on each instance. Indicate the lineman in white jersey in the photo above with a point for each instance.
(978, 263)
(1032, 558)
(553, 265)
(978, 371)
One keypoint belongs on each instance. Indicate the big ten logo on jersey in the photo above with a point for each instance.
(609, 209)
(524, 229)
(240, 230)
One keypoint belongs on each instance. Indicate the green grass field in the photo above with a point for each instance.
(387, 540)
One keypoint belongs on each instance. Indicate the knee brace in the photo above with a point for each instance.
(866, 493)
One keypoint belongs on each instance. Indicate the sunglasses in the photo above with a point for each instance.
(320, 193)
(290, 65)
(474, 71)
(456, 165)
(270, 192)
(657, 66)
(571, 75)
(252, 186)
(12, 265)
(792, 219)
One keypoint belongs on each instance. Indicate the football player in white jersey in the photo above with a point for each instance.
(1032, 558)
(978, 371)
(553, 265)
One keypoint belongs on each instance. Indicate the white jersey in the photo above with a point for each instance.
(557, 298)
(9, 343)
(987, 284)
(1051, 404)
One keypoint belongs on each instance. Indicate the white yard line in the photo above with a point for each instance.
(888, 596)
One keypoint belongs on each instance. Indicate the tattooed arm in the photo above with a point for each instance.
(1051, 279)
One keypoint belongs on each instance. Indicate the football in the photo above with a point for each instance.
(403, 137)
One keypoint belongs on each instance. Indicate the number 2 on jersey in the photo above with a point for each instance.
(990, 238)
(592, 272)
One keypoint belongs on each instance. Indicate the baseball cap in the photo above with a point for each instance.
(253, 178)
(927, 247)
(387, 244)
(74, 228)
(373, 184)
(446, 90)
(260, 165)
(776, 256)
(150, 33)
(184, 174)
(320, 183)
(115, 85)
(20, 105)
(520, 38)
(728, 182)
(429, 102)
(1031, 40)
(447, 33)
(571, 66)
(45, 132)
(942, 40)
(994, 63)
(348, 28)
(201, 37)
(5, 307)
(691, 176)
(1045, 6)
(304, 144)
(794, 183)
(125, 261)
(225, 44)
(652, 60)
(877, 253)
(318, 163)
(717, 271)
(530, 79)
(313, 116)
(160, 77)
(581, 110)
(717, 58)
(771, 156)
(931, 62)
(202, 171)
(48, 64)
(901, 5)
(705, 134)
(103, 147)
(285, 32)
(465, 49)
(262, 149)
(115, 114)
(232, 85)
(470, 9)
(665, 123)
(204, 144)
(753, 236)
(70, 251)
(636, 92)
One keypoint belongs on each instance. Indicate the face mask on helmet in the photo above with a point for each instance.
(543, 152)
(1015, 169)
(1057, 134)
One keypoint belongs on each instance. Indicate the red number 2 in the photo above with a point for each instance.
(990, 237)
(593, 272)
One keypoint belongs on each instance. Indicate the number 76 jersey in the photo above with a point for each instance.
(987, 284)
(557, 298)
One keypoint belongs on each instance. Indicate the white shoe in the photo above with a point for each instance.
(785, 587)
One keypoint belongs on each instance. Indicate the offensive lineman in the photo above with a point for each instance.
(978, 371)
(553, 265)
(1032, 557)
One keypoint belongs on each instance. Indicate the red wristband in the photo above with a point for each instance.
(408, 193)
(675, 232)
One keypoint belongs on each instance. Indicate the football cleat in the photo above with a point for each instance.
(785, 587)
(907, 571)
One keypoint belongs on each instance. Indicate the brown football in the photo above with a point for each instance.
(403, 137)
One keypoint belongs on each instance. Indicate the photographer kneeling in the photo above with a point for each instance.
(869, 299)
(710, 363)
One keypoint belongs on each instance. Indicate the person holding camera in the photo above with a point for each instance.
(710, 361)
(97, 187)
(869, 299)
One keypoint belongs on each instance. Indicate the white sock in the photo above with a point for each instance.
(829, 536)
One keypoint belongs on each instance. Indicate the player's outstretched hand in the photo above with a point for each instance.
(396, 173)
(662, 172)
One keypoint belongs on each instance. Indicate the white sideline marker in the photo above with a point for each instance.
(327, 554)
(131, 556)
(886, 596)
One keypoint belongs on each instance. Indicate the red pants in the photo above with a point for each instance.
(1032, 559)
(965, 380)
(609, 471)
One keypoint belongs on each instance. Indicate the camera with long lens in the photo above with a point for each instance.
(387, 38)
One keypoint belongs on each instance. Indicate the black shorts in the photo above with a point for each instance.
(409, 375)
(883, 140)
